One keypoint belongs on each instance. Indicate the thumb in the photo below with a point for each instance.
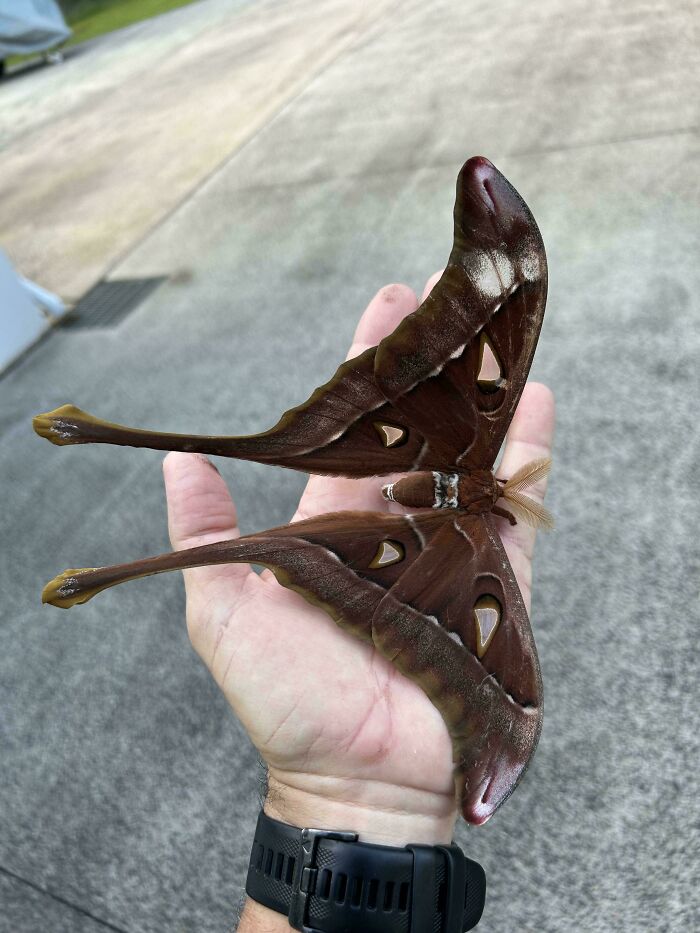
(201, 511)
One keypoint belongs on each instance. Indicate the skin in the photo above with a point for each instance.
(352, 744)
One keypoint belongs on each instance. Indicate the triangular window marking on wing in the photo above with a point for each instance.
(487, 615)
(391, 434)
(489, 377)
(388, 553)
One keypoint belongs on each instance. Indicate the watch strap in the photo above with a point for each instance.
(327, 881)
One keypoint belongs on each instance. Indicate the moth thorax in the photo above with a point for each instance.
(478, 491)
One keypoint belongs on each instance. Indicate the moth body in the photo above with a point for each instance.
(474, 492)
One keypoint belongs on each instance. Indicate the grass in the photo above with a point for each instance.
(91, 18)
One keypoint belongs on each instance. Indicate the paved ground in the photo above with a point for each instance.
(126, 800)
(96, 152)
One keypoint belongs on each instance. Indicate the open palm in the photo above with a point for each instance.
(333, 720)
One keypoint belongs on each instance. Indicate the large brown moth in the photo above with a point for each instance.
(433, 591)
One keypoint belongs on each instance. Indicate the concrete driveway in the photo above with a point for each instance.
(279, 162)
(96, 153)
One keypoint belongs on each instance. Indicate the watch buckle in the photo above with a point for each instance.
(304, 884)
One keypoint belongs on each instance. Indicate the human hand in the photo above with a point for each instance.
(352, 743)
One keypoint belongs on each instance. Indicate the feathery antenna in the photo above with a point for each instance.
(523, 507)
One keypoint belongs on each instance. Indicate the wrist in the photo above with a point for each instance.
(258, 919)
(380, 813)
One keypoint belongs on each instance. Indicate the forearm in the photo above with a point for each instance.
(386, 816)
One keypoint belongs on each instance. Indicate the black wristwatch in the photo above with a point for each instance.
(325, 881)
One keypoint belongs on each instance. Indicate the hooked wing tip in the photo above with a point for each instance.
(478, 171)
(490, 214)
(477, 812)
(481, 179)
(477, 178)
(485, 784)
(478, 805)
(478, 164)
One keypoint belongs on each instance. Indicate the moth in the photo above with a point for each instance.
(431, 589)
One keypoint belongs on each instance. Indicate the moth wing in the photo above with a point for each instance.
(344, 562)
(410, 585)
(457, 625)
(440, 391)
(437, 393)
(447, 380)
(456, 368)
(346, 428)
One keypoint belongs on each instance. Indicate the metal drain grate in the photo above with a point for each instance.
(108, 303)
